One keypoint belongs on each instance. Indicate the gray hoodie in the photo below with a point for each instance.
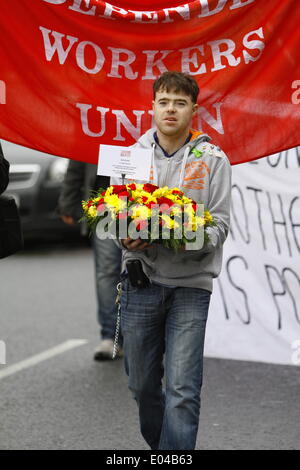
(205, 177)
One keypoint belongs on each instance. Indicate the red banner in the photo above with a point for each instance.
(77, 73)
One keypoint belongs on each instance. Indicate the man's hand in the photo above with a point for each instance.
(134, 245)
(67, 219)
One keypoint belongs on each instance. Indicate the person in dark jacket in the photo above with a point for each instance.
(4, 170)
(80, 179)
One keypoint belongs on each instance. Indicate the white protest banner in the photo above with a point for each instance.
(116, 161)
(255, 309)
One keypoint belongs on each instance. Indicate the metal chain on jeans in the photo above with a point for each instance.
(117, 331)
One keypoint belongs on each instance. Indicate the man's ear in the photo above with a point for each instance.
(152, 104)
(195, 108)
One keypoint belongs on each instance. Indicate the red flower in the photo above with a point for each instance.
(150, 188)
(165, 200)
(123, 194)
(194, 207)
(132, 186)
(118, 188)
(177, 193)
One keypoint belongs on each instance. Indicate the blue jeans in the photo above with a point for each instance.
(107, 258)
(161, 321)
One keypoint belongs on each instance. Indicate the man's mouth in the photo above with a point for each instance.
(169, 119)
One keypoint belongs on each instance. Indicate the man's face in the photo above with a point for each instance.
(173, 112)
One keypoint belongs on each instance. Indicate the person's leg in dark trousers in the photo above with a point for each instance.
(186, 316)
(107, 258)
(142, 321)
(153, 319)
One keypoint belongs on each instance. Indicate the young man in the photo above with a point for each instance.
(168, 317)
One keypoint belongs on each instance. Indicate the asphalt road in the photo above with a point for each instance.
(67, 401)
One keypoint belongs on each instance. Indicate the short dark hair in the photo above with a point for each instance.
(177, 82)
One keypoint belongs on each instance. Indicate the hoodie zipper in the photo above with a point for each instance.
(183, 165)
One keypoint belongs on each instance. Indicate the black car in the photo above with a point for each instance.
(35, 181)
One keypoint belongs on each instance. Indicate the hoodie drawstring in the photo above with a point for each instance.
(183, 165)
(153, 166)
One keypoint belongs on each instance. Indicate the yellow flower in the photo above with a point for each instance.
(92, 212)
(208, 217)
(186, 200)
(161, 192)
(175, 198)
(114, 202)
(139, 187)
(109, 191)
(140, 212)
(151, 199)
(169, 223)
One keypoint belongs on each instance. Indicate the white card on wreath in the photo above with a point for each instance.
(134, 163)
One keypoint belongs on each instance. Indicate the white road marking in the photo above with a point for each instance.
(34, 360)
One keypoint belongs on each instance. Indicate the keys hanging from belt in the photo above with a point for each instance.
(117, 331)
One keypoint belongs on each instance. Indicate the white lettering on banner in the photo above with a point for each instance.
(57, 46)
(122, 120)
(240, 3)
(55, 2)
(111, 9)
(183, 12)
(134, 129)
(205, 11)
(122, 60)
(204, 115)
(296, 94)
(217, 54)
(117, 62)
(2, 92)
(254, 44)
(84, 108)
(77, 4)
(152, 17)
(188, 59)
(151, 63)
(257, 296)
(80, 57)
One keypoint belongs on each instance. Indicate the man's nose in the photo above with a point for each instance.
(171, 107)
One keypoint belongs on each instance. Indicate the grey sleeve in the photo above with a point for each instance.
(72, 191)
(219, 203)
